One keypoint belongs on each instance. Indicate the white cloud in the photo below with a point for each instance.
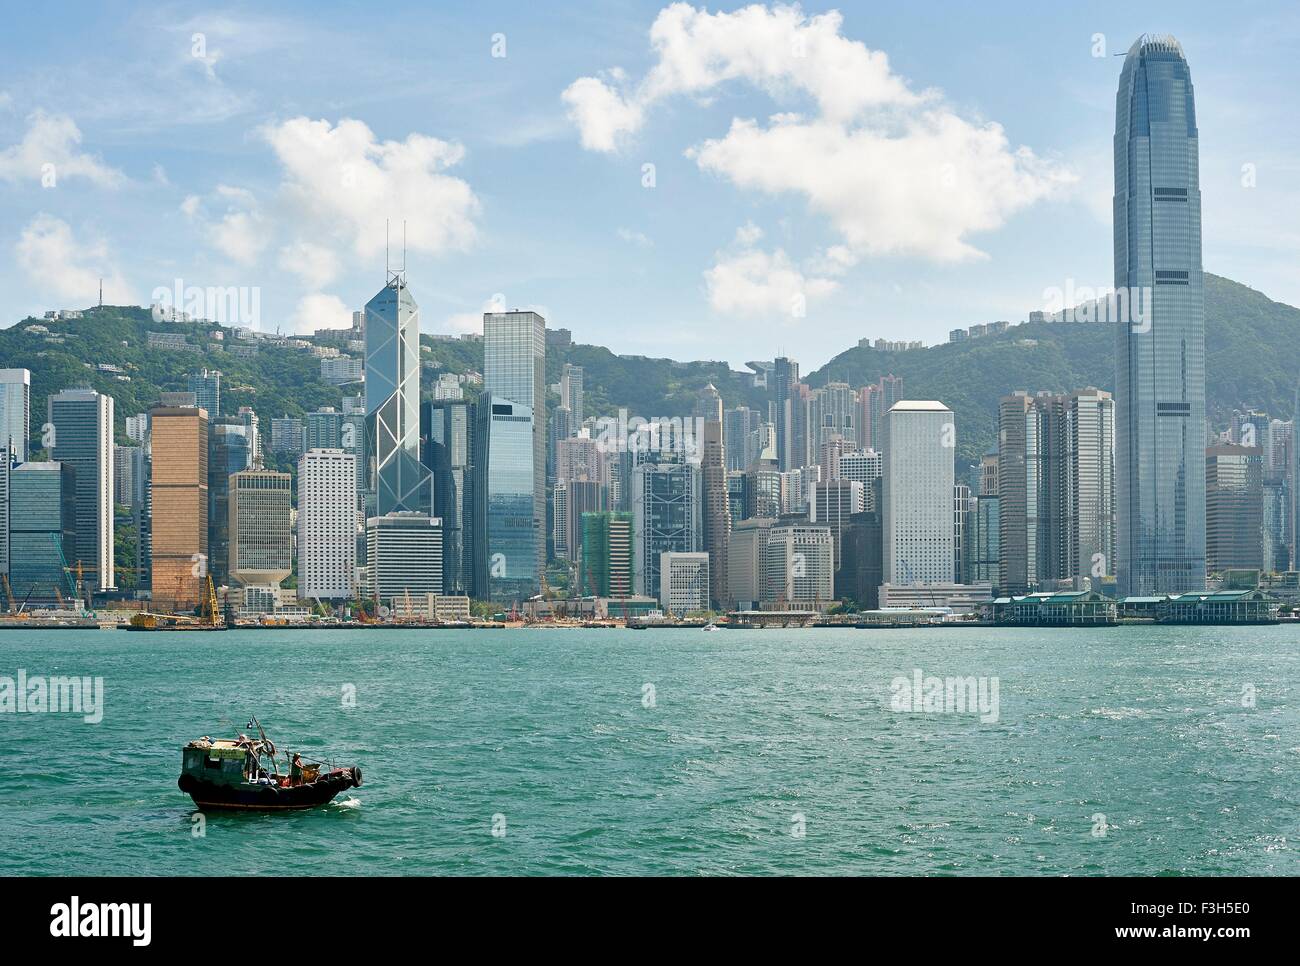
(240, 232)
(54, 140)
(601, 113)
(633, 237)
(343, 183)
(896, 171)
(66, 268)
(749, 281)
(320, 311)
(316, 265)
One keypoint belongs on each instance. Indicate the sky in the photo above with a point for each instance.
(726, 182)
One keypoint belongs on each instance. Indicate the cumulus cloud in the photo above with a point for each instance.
(67, 268)
(316, 265)
(463, 323)
(749, 281)
(345, 183)
(320, 311)
(238, 230)
(896, 171)
(52, 145)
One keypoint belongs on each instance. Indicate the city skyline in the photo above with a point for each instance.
(235, 184)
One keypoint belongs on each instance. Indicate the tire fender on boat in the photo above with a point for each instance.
(356, 776)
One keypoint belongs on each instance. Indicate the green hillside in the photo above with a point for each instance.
(1251, 361)
(1251, 346)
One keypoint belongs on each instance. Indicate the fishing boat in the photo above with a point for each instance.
(244, 773)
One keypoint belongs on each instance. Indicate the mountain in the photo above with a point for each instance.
(1251, 361)
(1252, 355)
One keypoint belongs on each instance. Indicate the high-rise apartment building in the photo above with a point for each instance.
(206, 386)
(571, 393)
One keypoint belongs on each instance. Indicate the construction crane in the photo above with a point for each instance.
(210, 603)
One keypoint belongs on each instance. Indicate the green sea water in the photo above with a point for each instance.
(1120, 751)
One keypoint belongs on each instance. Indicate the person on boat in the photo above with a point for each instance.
(295, 770)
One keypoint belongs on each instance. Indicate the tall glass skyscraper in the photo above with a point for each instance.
(449, 439)
(82, 420)
(514, 370)
(1160, 351)
(397, 481)
(505, 557)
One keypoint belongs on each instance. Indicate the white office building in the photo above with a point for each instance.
(327, 524)
(683, 582)
(918, 504)
(800, 563)
(403, 555)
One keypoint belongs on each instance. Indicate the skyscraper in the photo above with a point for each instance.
(514, 370)
(782, 382)
(447, 431)
(261, 536)
(83, 438)
(230, 450)
(206, 386)
(179, 494)
(1055, 476)
(1160, 352)
(15, 410)
(607, 554)
(327, 524)
(918, 496)
(716, 518)
(571, 393)
(42, 530)
(739, 426)
(1234, 507)
(667, 515)
(396, 479)
(506, 530)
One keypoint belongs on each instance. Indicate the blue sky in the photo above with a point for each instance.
(895, 171)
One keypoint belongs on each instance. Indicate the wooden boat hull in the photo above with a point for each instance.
(271, 798)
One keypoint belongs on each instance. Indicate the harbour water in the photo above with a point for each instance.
(1120, 751)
